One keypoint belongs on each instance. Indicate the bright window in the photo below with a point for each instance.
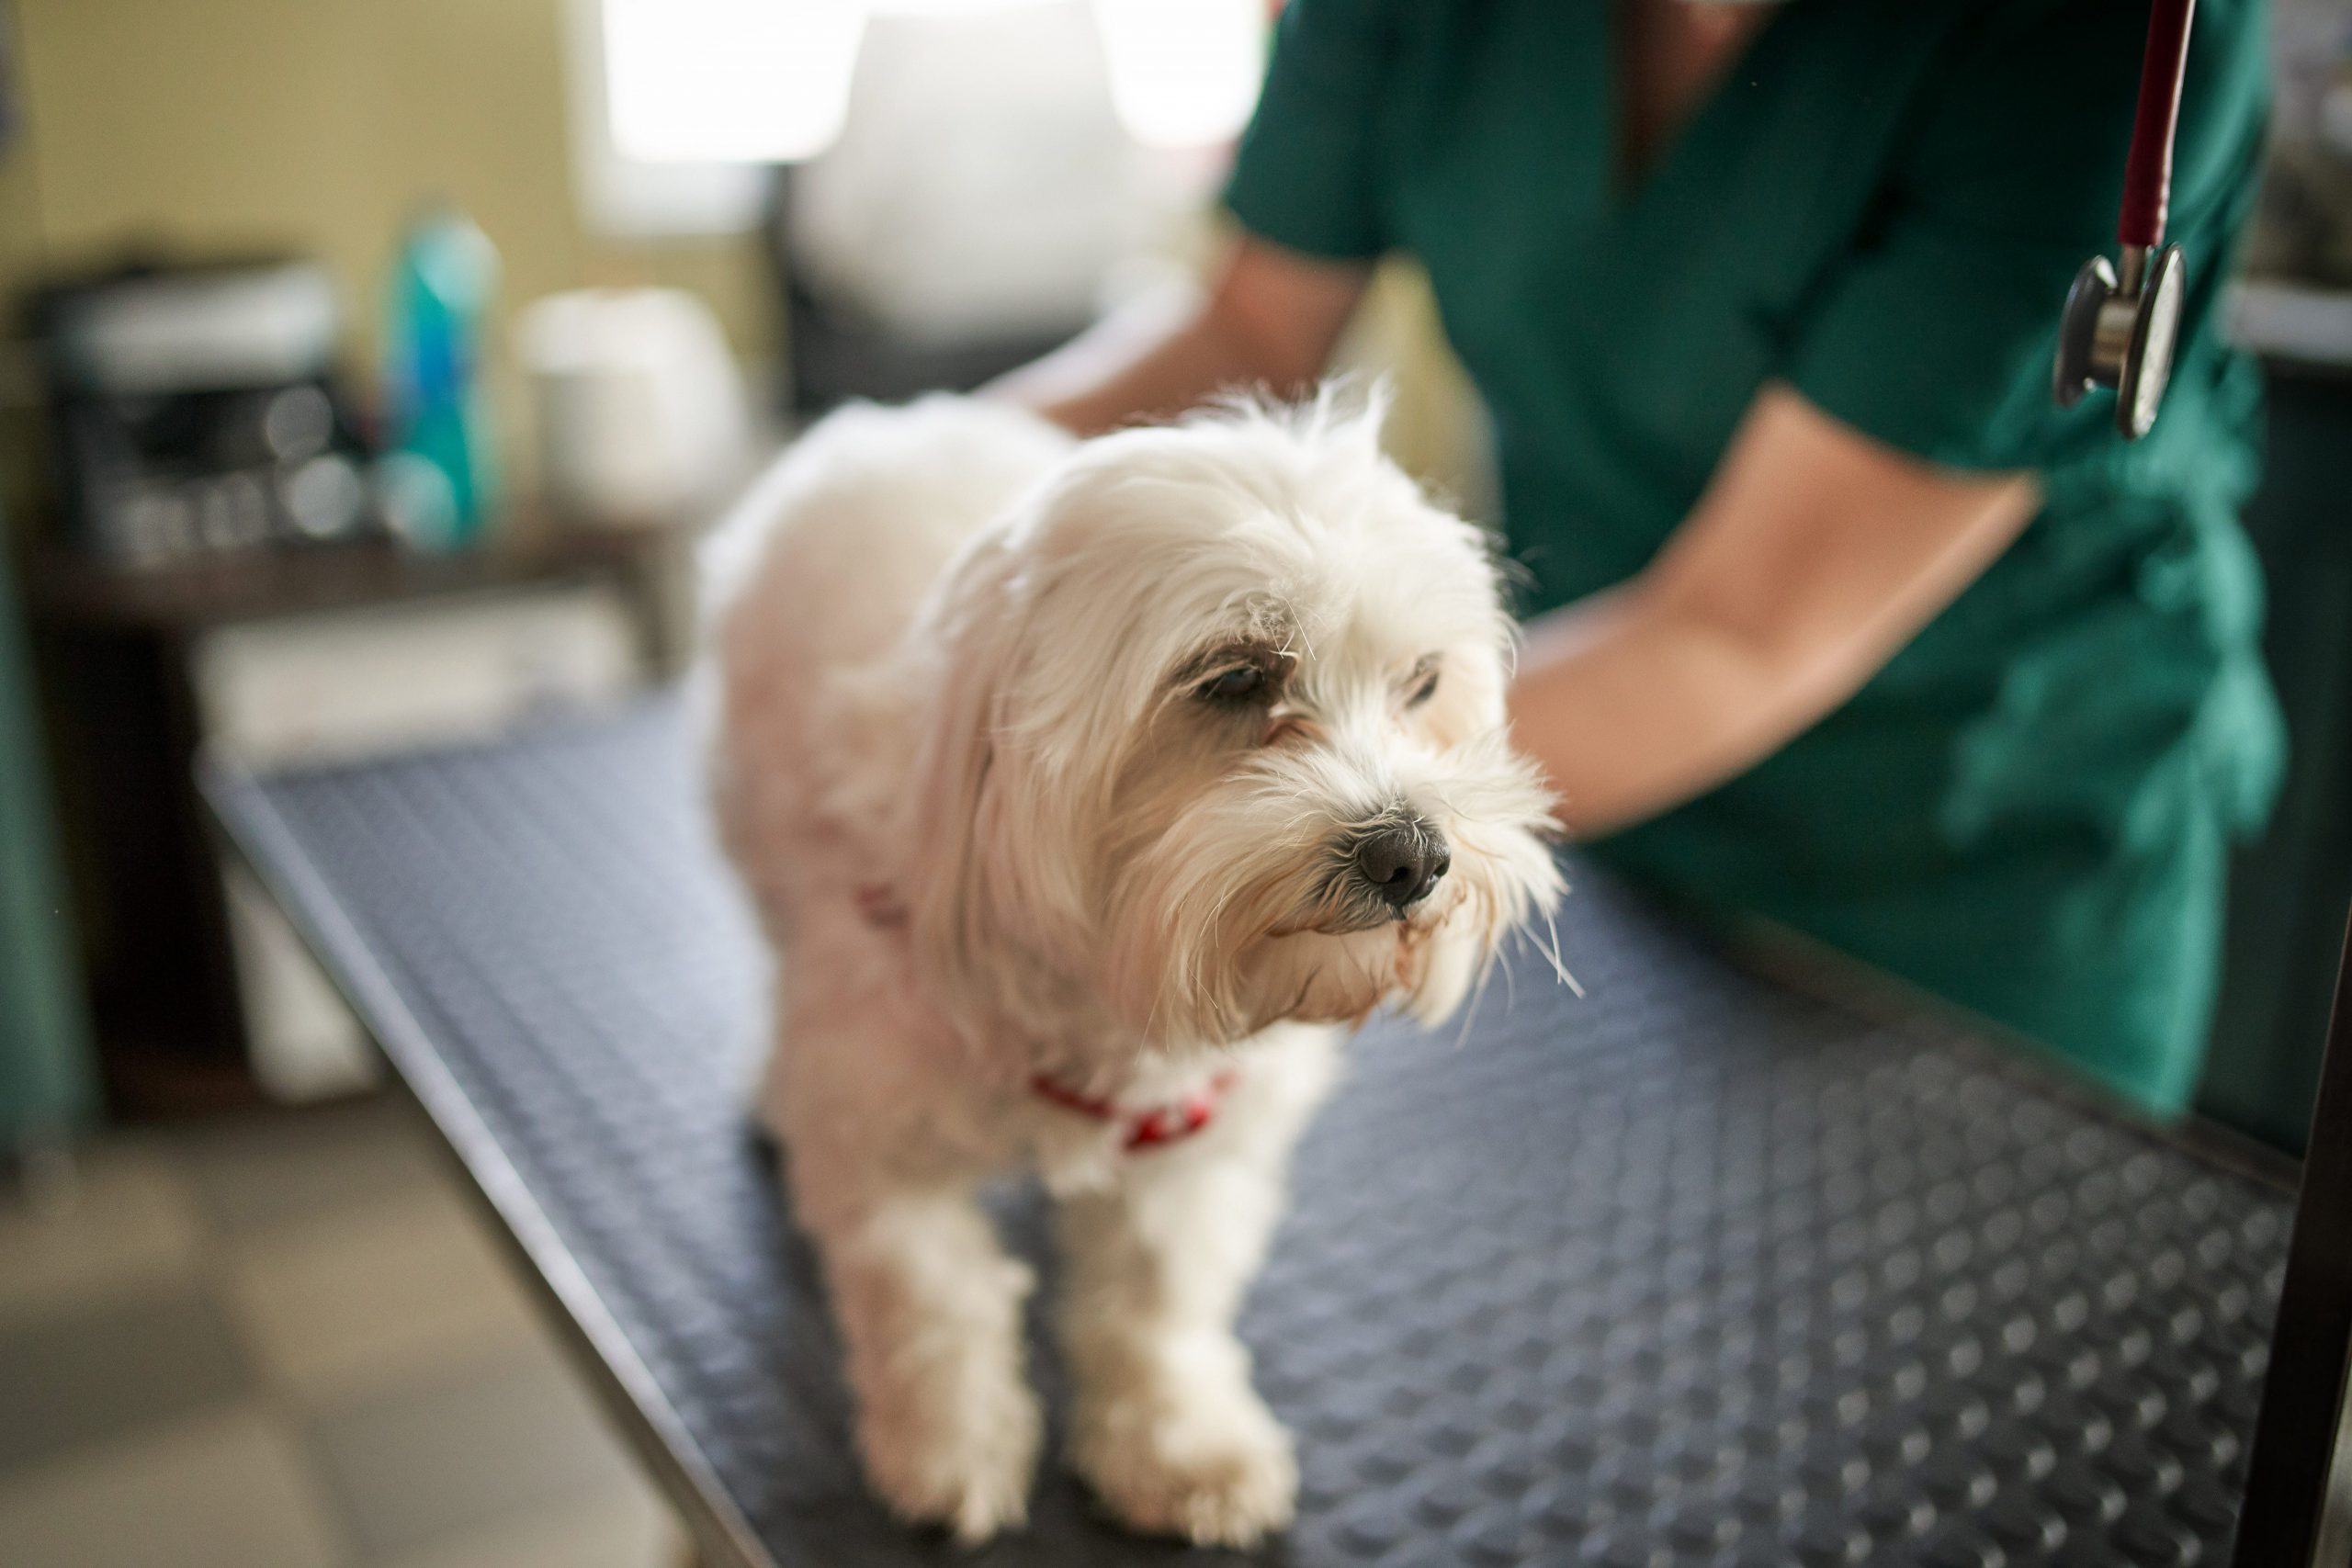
(768, 81)
(728, 81)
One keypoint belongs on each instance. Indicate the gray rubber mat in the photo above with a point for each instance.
(1697, 1270)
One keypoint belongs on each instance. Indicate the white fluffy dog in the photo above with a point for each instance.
(1085, 791)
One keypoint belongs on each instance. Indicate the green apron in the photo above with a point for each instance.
(2028, 810)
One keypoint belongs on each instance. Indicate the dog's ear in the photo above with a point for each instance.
(956, 790)
(1351, 411)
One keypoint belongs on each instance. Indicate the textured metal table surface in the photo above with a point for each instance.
(1696, 1269)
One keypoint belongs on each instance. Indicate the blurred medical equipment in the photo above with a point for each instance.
(195, 411)
(2118, 331)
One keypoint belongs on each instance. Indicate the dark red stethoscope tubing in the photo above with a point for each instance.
(2147, 176)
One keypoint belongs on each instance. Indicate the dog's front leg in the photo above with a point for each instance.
(1166, 1427)
(930, 1310)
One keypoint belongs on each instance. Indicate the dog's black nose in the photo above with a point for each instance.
(1402, 864)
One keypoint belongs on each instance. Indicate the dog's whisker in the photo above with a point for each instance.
(1551, 950)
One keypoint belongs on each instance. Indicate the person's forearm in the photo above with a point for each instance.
(1151, 361)
(1268, 322)
(1813, 555)
(1632, 708)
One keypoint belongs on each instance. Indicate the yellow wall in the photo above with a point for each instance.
(316, 126)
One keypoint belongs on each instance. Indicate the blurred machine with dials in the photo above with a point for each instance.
(195, 411)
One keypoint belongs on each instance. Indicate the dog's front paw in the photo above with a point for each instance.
(1210, 1463)
(961, 1462)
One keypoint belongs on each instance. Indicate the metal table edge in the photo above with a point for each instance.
(267, 848)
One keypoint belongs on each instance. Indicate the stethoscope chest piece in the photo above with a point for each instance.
(2121, 334)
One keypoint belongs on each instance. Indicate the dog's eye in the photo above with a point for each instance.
(1424, 691)
(1239, 684)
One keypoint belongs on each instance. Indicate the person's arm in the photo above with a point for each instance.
(1812, 556)
(1270, 321)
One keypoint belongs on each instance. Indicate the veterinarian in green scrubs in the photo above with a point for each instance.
(1842, 622)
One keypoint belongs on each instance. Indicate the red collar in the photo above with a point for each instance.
(1168, 1123)
(878, 904)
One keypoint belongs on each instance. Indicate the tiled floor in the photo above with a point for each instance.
(285, 1341)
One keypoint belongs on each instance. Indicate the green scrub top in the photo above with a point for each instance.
(2028, 810)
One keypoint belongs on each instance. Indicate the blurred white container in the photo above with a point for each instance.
(640, 410)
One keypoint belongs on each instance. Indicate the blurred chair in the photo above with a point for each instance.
(993, 186)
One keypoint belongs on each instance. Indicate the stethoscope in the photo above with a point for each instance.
(2116, 331)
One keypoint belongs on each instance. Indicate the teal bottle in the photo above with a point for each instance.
(441, 470)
